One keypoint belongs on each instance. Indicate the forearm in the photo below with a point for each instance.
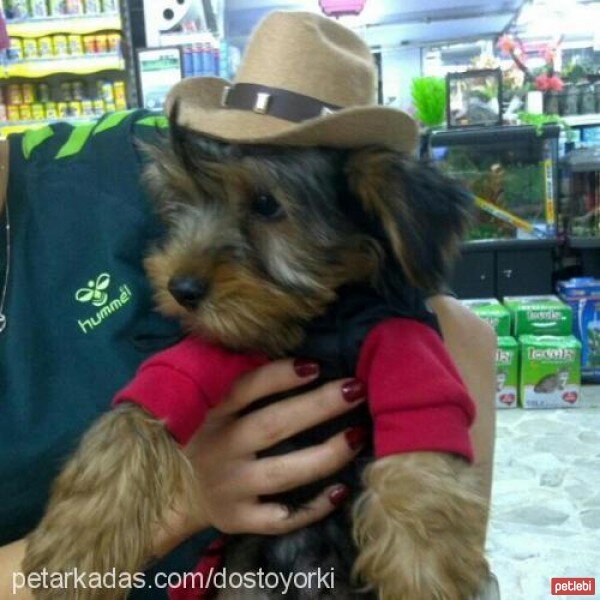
(11, 580)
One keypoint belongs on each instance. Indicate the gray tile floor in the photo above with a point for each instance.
(546, 498)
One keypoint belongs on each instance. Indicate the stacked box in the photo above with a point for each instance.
(550, 371)
(582, 294)
(539, 315)
(490, 310)
(507, 372)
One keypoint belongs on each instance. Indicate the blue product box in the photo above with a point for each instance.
(582, 294)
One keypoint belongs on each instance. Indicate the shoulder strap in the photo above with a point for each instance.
(4, 149)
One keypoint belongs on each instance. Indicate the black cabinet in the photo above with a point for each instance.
(498, 269)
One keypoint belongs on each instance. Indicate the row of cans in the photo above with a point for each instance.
(69, 91)
(23, 9)
(57, 110)
(63, 45)
(200, 60)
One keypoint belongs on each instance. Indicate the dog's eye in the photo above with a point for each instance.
(267, 207)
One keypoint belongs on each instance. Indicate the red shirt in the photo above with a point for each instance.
(417, 398)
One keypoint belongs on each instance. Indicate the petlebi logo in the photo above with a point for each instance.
(96, 293)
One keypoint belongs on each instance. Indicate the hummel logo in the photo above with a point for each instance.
(95, 293)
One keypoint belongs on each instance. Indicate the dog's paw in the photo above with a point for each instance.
(106, 505)
(420, 528)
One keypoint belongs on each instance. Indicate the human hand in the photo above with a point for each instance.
(230, 477)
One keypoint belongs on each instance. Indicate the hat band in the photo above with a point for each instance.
(275, 102)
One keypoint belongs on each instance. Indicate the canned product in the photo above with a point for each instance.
(58, 7)
(87, 109)
(3, 113)
(119, 90)
(61, 45)
(28, 93)
(89, 44)
(37, 112)
(62, 110)
(16, 48)
(110, 6)
(51, 110)
(43, 92)
(120, 104)
(38, 8)
(93, 7)
(98, 106)
(45, 47)
(65, 92)
(13, 113)
(76, 45)
(17, 9)
(114, 43)
(78, 90)
(110, 107)
(74, 7)
(15, 94)
(106, 91)
(25, 112)
(30, 48)
(74, 109)
(102, 44)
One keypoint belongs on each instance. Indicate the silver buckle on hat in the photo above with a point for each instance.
(261, 105)
(225, 95)
(326, 111)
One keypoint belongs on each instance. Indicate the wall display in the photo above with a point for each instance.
(159, 69)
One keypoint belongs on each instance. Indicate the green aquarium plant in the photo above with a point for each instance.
(429, 97)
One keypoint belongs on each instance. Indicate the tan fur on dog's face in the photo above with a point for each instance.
(273, 233)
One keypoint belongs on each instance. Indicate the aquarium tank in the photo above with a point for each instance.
(512, 173)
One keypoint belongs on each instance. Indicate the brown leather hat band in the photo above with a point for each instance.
(275, 102)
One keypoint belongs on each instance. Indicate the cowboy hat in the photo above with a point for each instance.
(305, 80)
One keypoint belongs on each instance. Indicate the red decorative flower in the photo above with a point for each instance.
(337, 8)
(507, 44)
(545, 83)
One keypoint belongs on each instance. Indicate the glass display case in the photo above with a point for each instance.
(512, 171)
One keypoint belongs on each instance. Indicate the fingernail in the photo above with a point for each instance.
(305, 367)
(354, 390)
(339, 494)
(356, 437)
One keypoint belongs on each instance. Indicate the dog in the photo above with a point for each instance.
(291, 249)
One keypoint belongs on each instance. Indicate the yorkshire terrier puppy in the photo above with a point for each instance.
(276, 249)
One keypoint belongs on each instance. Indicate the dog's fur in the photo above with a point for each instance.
(275, 232)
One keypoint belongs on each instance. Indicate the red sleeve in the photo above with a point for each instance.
(179, 385)
(416, 396)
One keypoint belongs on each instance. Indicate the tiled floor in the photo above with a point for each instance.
(546, 499)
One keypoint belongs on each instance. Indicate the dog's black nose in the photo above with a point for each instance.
(188, 291)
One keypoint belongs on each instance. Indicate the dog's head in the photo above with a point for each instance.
(260, 238)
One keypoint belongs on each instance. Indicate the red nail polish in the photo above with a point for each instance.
(339, 494)
(354, 390)
(356, 437)
(305, 367)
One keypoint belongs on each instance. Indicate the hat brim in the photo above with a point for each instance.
(200, 109)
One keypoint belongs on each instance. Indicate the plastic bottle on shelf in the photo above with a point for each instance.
(16, 9)
(74, 7)
(38, 8)
(197, 68)
(188, 61)
(57, 7)
(93, 7)
(110, 6)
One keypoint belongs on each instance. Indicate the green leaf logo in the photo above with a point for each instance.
(95, 292)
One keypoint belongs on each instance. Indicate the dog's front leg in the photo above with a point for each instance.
(107, 504)
(420, 527)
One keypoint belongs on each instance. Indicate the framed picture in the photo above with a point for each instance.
(474, 98)
(158, 70)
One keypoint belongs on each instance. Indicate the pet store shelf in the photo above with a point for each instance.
(82, 65)
(582, 120)
(76, 25)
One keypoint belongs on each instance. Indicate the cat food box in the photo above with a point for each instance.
(490, 310)
(539, 315)
(550, 371)
(507, 372)
(582, 294)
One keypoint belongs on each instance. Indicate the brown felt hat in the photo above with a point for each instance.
(305, 80)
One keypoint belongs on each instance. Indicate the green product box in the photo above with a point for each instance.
(490, 310)
(550, 371)
(507, 372)
(539, 315)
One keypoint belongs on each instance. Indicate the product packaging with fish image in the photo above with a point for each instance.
(550, 371)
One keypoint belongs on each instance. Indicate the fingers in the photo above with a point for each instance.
(289, 471)
(268, 426)
(273, 378)
(276, 519)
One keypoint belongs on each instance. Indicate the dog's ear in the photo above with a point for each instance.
(417, 213)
